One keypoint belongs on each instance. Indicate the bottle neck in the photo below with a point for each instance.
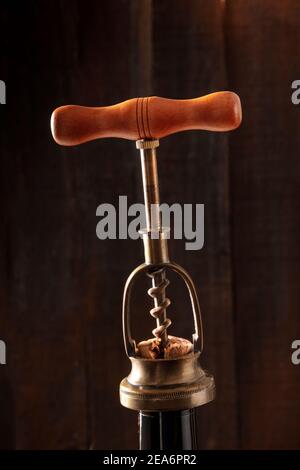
(167, 430)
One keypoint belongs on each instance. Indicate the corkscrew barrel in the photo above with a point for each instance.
(165, 384)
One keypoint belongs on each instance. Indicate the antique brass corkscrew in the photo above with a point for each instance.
(166, 374)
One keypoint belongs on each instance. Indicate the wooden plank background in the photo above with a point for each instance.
(265, 190)
(61, 288)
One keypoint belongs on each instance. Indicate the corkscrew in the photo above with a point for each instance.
(158, 379)
(166, 373)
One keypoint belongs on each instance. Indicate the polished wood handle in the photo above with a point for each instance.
(146, 118)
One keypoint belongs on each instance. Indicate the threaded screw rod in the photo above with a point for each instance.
(161, 303)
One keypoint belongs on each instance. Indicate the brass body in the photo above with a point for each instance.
(166, 384)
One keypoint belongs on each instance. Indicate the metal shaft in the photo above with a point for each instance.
(154, 230)
(151, 189)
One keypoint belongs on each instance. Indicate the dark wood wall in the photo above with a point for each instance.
(61, 287)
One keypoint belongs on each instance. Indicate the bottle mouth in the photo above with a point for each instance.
(163, 359)
(164, 372)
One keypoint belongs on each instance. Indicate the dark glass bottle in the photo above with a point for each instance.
(167, 430)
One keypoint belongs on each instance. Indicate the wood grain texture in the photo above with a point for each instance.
(150, 117)
(101, 171)
(40, 275)
(265, 172)
(188, 56)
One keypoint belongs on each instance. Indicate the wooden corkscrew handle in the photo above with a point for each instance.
(146, 118)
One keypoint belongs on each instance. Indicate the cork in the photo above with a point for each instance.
(176, 347)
